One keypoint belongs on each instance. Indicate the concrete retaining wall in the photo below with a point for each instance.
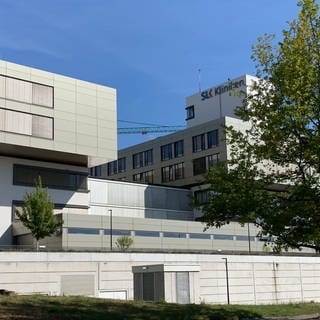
(252, 279)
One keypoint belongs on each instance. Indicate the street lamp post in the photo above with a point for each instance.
(249, 239)
(227, 278)
(110, 213)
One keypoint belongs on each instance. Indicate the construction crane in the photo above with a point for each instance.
(148, 128)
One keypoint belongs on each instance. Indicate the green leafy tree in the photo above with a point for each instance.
(272, 176)
(37, 213)
(124, 243)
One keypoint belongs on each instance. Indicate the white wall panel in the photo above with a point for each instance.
(2, 86)
(18, 90)
(42, 95)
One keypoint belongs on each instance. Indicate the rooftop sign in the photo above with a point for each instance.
(207, 94)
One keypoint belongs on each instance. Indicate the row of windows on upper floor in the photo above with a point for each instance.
(22, 122)
(51, 178)
(26, 124)
(156, 234)
(168, 151)
(26, 91)
(200, 166)
(176, 171)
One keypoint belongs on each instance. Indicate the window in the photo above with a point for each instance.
(51, 178)
(245, 238)
(42, 127)
(199, 166)
(201, 197)
(26, 124)
(146, 177)
(173, 172)
(117, 232)
(145, 233)
(83, 231)
(116, 166)
(137, 160)
(223, 237)
(167, 174)
(148, 157)
(199, 236)
(122, 165)
(18, 90)
(178, 149)
(42, 95)
(178, 170)
(112, 167)
(169, 234)
(95, 171)
(190, 112)
(198, 143)
(212, 160)
(26, 91)
(166, 152)
(136, 177)
(213, 138)
(144, 158)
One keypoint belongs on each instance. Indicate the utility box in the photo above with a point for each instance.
(170, 283)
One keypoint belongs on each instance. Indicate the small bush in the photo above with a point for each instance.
(124, 243)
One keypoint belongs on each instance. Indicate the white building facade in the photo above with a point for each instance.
(181, 158)
(55, 127)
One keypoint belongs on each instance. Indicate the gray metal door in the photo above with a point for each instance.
(182, 287)
(148, 286)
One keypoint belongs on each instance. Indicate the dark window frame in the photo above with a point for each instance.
(170, 173)
(143, 176)
(121, 164)
(137, 160)
(198, 143)
(32, 82)
(228, 237)
(174, 234)
(112, 168)
(178, 147)
(190, 112)
(86, 231)
(148, 157)
(166, 152)
(147, 233)
(202, 236)
(197, 168)
(32, 114)
(117, 232)
(201, 196)
(212, 138)
(77, 175)
(212, 162)
(178, 168)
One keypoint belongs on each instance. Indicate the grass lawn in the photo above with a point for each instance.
(65, 308)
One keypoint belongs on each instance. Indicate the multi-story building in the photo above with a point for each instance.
(54, 127)
(181, 158)
(57, 127)
(157, 218)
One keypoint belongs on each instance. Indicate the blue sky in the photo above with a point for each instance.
(149, 50)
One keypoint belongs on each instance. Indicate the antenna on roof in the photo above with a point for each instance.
(199, 79)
